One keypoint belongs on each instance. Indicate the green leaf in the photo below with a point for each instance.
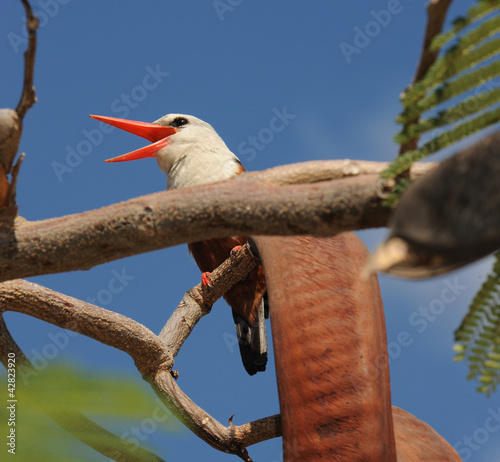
(70, 396)
(481, 343)
(492, 364)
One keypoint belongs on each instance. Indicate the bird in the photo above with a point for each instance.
(447, 218)
(191, 153)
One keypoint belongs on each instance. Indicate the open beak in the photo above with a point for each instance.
(157, 134)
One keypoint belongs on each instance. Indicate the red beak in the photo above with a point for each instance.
(157, 134)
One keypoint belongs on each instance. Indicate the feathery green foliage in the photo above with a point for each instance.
(466, 71)
(478, 337)
(458, 58)
(469, 64)
(476, 12)
(454, 134)
(463, 109)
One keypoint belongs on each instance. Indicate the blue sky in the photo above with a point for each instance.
(234, 67)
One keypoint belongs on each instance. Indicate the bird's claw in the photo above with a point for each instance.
(236, 249)
(204, 279)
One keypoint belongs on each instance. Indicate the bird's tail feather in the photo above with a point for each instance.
(252, 341)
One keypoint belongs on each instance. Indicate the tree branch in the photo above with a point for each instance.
(11, 122)
(153, 355)
(105, 326)
(10, 136)
(74, 422)
(232, 439)
(253, 204)
(28, 97)
(198, 301)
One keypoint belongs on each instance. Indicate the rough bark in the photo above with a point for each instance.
(255, 204)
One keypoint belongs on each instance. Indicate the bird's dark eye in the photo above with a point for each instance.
(179, 122)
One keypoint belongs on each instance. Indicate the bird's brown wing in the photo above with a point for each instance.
(245, 298)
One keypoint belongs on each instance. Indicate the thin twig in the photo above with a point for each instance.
(436, 15)
(28, 96)
(11, 197)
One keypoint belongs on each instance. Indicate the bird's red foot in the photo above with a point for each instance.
(236, 249)
(204, 279)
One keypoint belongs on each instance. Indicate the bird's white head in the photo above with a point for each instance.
(186, 148)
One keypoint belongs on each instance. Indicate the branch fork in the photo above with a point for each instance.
(152, 354)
